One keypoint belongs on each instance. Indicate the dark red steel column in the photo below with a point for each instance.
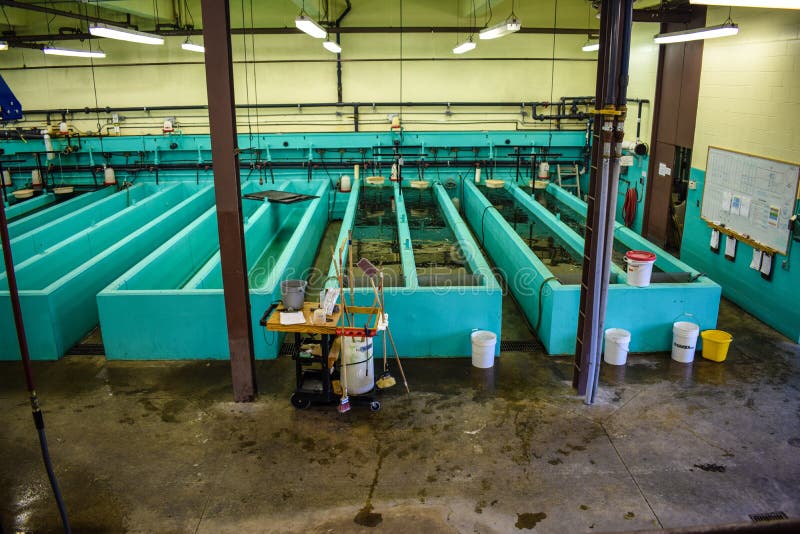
(608, 129)
(225, 155)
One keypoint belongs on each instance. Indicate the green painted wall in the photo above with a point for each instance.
(750, 102)
(295, 68)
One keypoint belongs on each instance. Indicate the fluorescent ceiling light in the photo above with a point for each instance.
(306, 25)
(510, 25)
(125, 34)
(709, 32)
(52, 51)
(466, 46)
(591, 46)
(332, 46)
(3, 45)
(773, 4)
(191, 47)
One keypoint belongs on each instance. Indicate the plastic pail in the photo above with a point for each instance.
(483, 343)
(293, 293)
(617, 342)
(684, 341)
(715, 344)
(640, 267)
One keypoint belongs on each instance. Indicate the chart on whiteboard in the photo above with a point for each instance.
(751, 196)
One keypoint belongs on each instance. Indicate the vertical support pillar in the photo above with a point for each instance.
(225, 157)
(607, 133)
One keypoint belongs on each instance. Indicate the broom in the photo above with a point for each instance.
(386, 380)
(350, 280)
(344, 404)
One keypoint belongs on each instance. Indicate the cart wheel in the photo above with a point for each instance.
(374, 406)
(301, 403)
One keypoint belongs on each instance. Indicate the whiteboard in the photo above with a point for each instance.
(750, 196)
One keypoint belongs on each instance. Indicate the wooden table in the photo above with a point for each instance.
(330, 345)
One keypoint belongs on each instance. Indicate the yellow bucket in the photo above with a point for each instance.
(715, 344)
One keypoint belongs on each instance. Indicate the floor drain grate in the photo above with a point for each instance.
(519, 346)
(87, 349)
(769, 516)
(505, 346)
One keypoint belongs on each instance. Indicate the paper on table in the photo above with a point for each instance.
(288, 318)
(714, 239)
(756, 262)
(766, 264)
(730, 247)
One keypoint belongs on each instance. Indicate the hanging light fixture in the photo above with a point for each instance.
(508, 26)
(55, 51)
(591, 46)
(307, 25)
(125, 34)
(773, 4)
(332, 46)
(464, 47)
(709, 32)
(191, 47)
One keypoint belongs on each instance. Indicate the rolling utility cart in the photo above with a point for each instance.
(315, 373)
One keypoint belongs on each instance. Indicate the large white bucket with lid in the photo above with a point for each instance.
(483, 344)
(684, 341)
(359, 366)
(617, 343)
(640, 267)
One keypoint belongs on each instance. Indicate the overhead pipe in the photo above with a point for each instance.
(61, 13)
(337, 23)
(146, 109)
(16, 40)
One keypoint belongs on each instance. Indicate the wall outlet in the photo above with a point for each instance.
(692, 184)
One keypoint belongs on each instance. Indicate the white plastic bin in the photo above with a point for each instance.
(483, 344)
(684, 341)
(640, 267)
(359, 366)
(617, 343)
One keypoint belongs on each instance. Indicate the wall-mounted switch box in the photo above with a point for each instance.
(692, 184)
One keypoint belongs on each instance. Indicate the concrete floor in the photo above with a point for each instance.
(159, 447)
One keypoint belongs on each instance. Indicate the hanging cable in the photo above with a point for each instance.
(401, 64)
(94, 86)
(38, 417)
(255, 78)
(247, 80)
(553, 72)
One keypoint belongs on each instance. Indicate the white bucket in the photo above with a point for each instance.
(359, 366)
(640, 267)
(684, 341)
(483, 343)
(617, 342)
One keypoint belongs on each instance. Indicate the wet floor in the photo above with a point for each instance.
(160, 447)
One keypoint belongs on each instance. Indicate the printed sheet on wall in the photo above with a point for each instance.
(751, 196)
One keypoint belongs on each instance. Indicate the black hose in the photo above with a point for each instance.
(483, 217)
(539, 315)
(48, 465)
(38, 417)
